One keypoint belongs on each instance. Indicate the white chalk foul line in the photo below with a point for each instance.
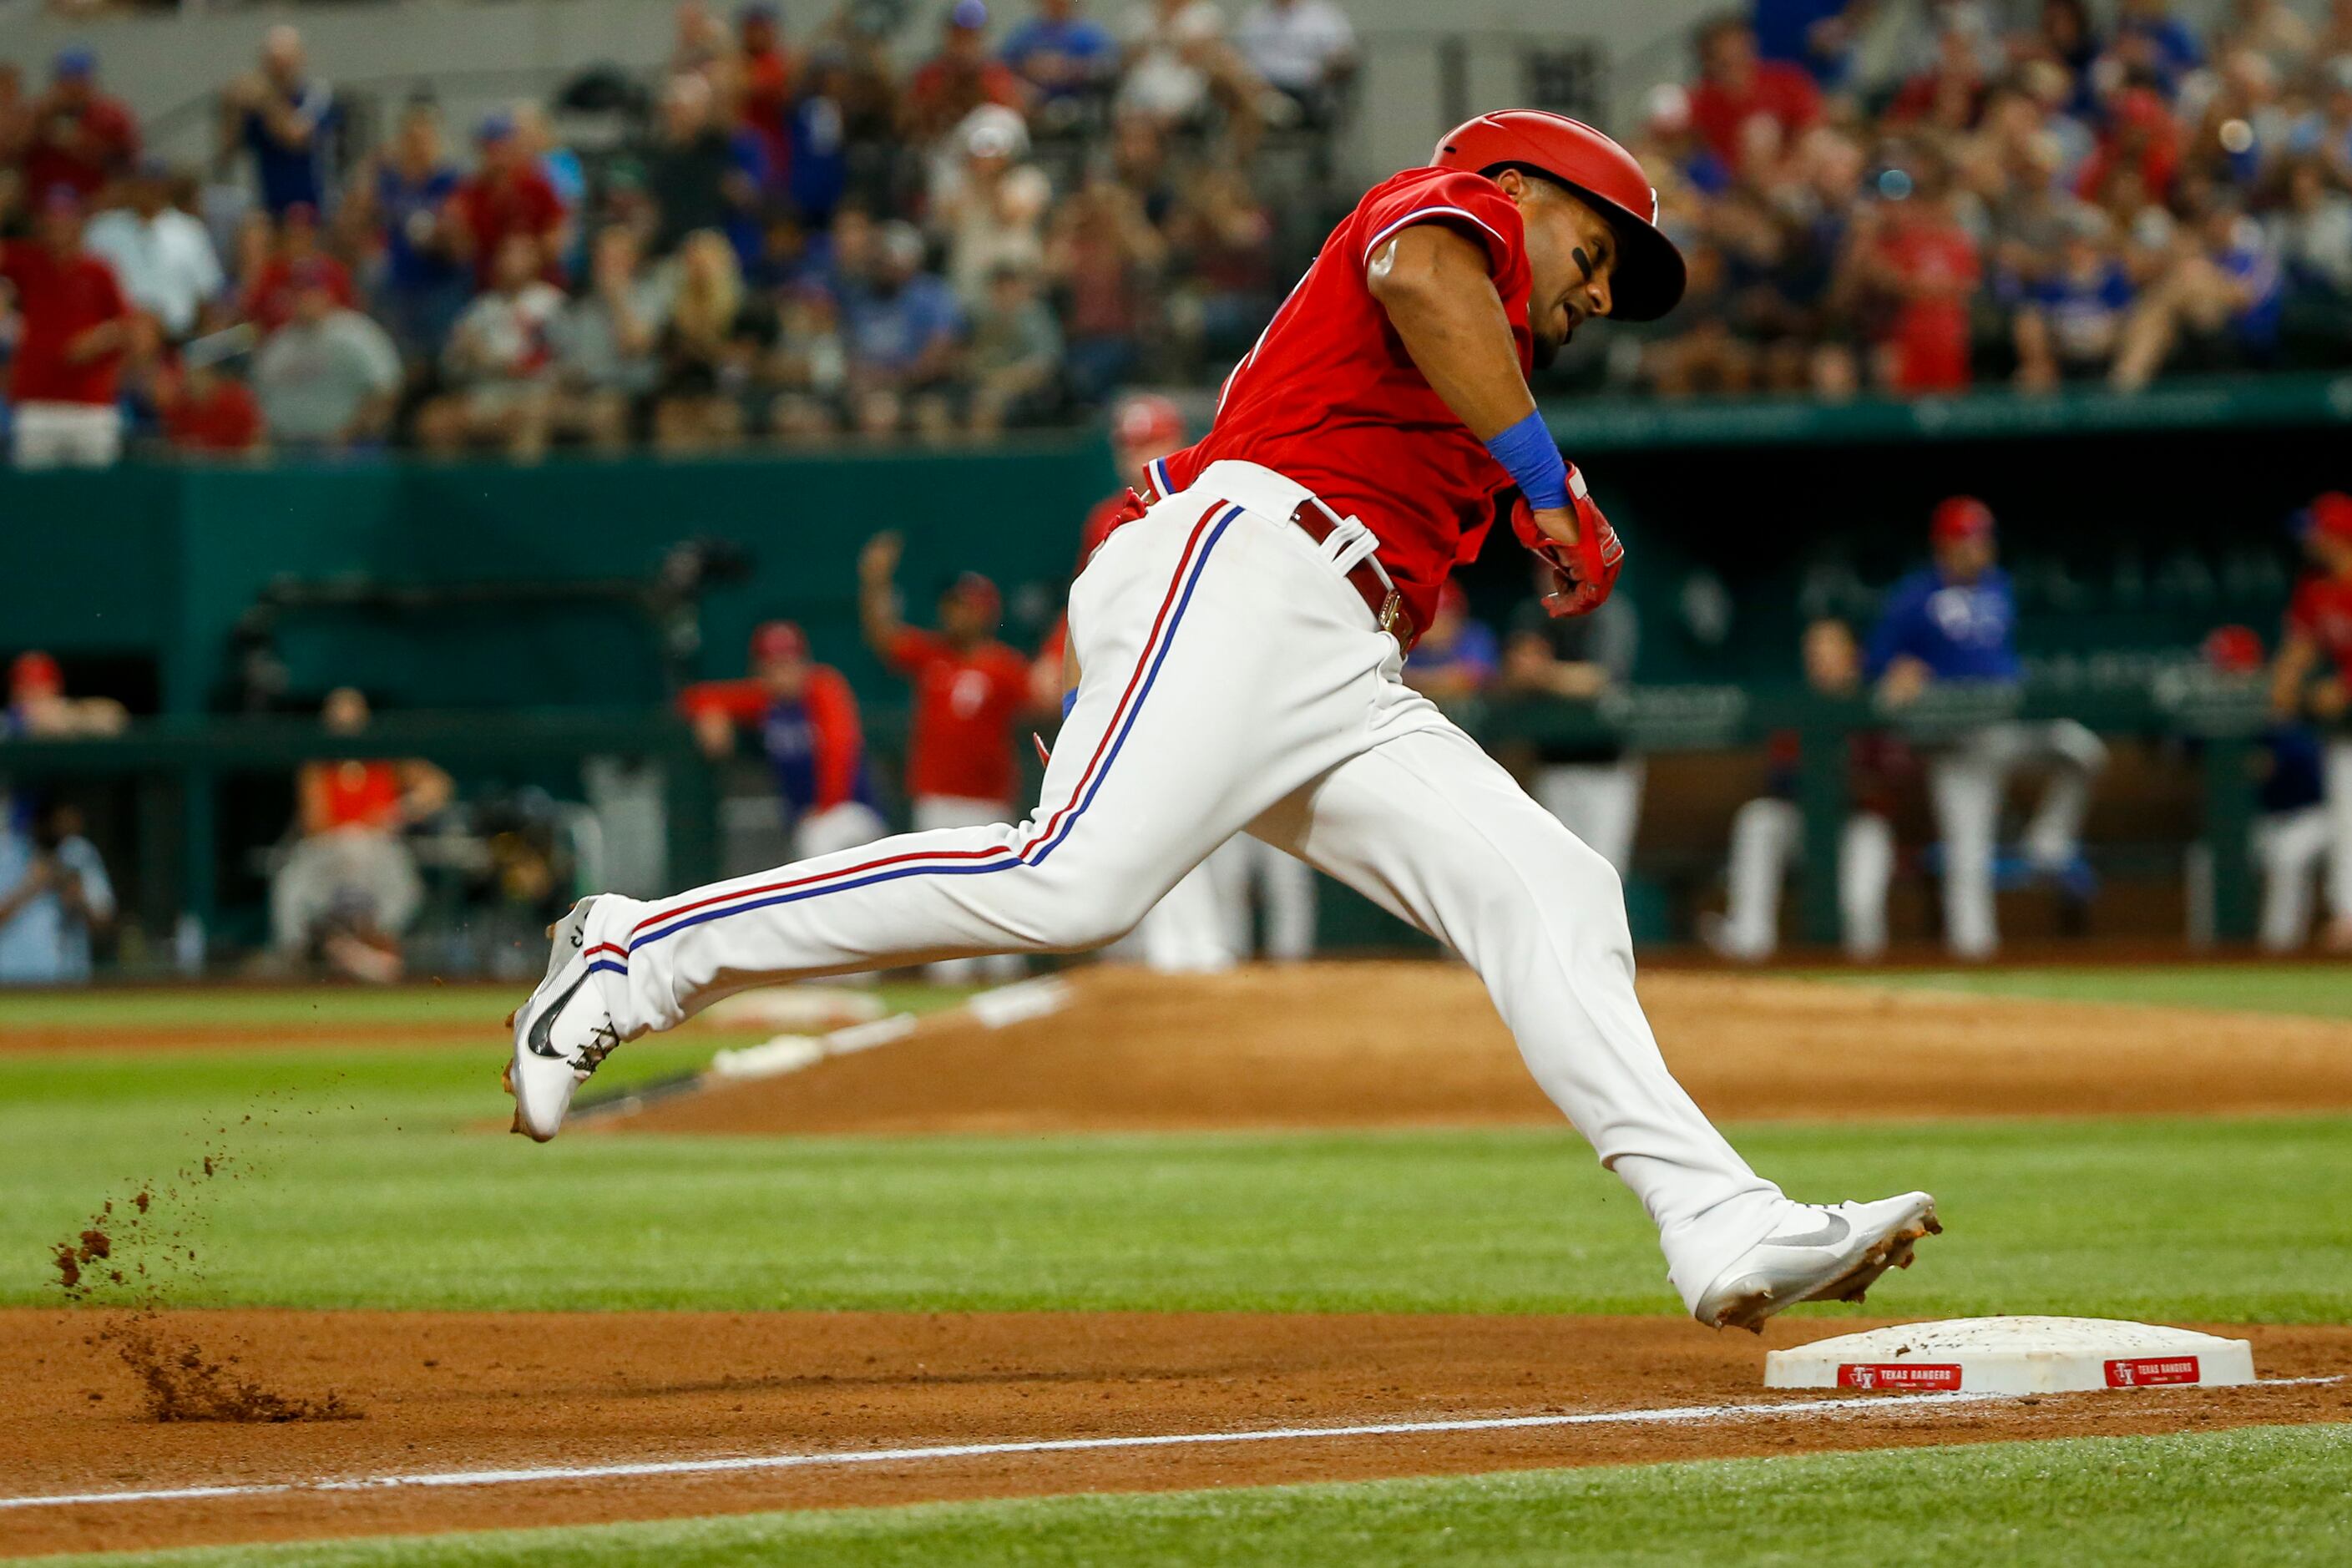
(1666, 1415)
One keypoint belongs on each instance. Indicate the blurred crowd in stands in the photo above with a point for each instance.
(789, 237)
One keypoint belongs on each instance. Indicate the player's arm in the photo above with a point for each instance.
(2297, 656)
(1432, 282)
(840, 739)
(877, 600)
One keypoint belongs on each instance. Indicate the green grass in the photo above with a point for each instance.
(2261, 1495)
(373, 1177)
(2314, 990)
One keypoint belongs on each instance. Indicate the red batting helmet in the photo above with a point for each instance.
(1960, 517)
(1148, 422)
(777, 642)
(1650, 273)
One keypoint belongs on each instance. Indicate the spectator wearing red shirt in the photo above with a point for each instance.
(768, 73)
(2142, 139)
(969, 687)
(70, 348)
(507, 195)
(1924, 262)
(1735, 87)
(2318, 642)
(961, 78)
(80, 137)
(209, 411)
(296, 261)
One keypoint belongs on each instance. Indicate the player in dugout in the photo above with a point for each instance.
(805, 716)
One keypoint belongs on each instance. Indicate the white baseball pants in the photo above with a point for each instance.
(2291, 847)
(2336, 781)
(1232, 678)
(1965, 784)
(1768, 836)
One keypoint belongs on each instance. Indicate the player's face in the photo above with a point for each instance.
(1571, 259)
(1965, 559)
(2334, 554)
(785, 678)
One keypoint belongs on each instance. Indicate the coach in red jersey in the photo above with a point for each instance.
(1239, 641)
(2318, 642)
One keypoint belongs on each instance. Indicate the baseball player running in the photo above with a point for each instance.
(1241, 639)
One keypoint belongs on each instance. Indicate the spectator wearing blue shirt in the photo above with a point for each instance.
(1458, 657)
(2071, 320)
(1817, 35)
(2218, 308)
(287, 122)
(423, 281)
(2150, 41)
(54, 893)
(1066, 57)
(1955, 624)
(901, 327)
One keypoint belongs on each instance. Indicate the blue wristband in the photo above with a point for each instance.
(1530, 456)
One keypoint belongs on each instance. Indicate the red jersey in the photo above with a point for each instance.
(1930, 328)
(226, 419)
(2321, 610)
(356, 793)
(836, 741)
(93, 143)
(964, 702)
(1330, 399)
(59, 299)
(1781, 93)
(523, 204)
(269, 298)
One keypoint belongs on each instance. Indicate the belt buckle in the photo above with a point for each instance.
(1389, 608)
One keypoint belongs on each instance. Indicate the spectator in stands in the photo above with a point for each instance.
(2311, 232)
(804, 716)
(765, 93)
(991, 211)
(1593, 786)
(2138, 156)
(1103, 255)
(903, 331)
(15, 118)
(2070, 322)
(1304, 49)
(54, 895)
(74, 326)
(1015, 353)
(2310, 678)
(76, 135)
(605, 342)
(1065, 59)
(349, 888)
(207, 411)
(163, 257)
(1920, 263)
(288, 120)
(498, 363)
(1737, 93)
(507, 197)
(962, 77)
(817, 175)
(403, 205)
(2219, 306)
(1179, 63)
(2151, 43)
(327, 378)
(969, 688)
(811, 366)
(703, 173)
(1948, 94)
(1457, 657)
(1220, 244)
(1818, 36)
(713, 349)
(295, 253)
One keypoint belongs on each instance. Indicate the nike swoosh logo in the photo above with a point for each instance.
(1833, 1230)
(544, 1025)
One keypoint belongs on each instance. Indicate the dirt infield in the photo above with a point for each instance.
(1418, 1044)
(441, 1393)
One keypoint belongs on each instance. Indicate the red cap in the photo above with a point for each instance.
(1960, 517)
(778, 642)
(1650, 274)
(1147, 421)
(2331, 515)
(34, 674)
(2233, 650)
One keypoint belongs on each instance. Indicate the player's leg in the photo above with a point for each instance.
(1765, 834)
(1964, 786)
(2074, 757)
(1866, 871)
(2338, 801)
(1432, 829)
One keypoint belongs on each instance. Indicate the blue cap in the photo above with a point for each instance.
(496, 126)
(971, 14)
(79, 60)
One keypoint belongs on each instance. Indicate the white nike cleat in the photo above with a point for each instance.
(560, 1036)
(1819, 1252)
